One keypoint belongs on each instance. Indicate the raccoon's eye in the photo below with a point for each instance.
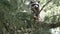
(32, 4)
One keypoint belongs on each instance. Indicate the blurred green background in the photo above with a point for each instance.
(16, 17)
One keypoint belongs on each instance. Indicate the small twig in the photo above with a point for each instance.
(45, 5)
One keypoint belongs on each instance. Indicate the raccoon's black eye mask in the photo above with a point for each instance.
(34, 4)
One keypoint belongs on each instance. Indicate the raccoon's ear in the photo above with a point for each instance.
(38, 1)
(31, 1)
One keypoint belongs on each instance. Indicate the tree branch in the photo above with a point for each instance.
(45, 5)
(54, 25)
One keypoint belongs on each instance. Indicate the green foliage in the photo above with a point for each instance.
(20, 22)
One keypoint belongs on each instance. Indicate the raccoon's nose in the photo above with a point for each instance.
(36, 6)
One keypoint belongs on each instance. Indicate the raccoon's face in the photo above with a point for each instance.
(35, 4)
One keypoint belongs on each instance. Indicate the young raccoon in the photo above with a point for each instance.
(35, 8)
